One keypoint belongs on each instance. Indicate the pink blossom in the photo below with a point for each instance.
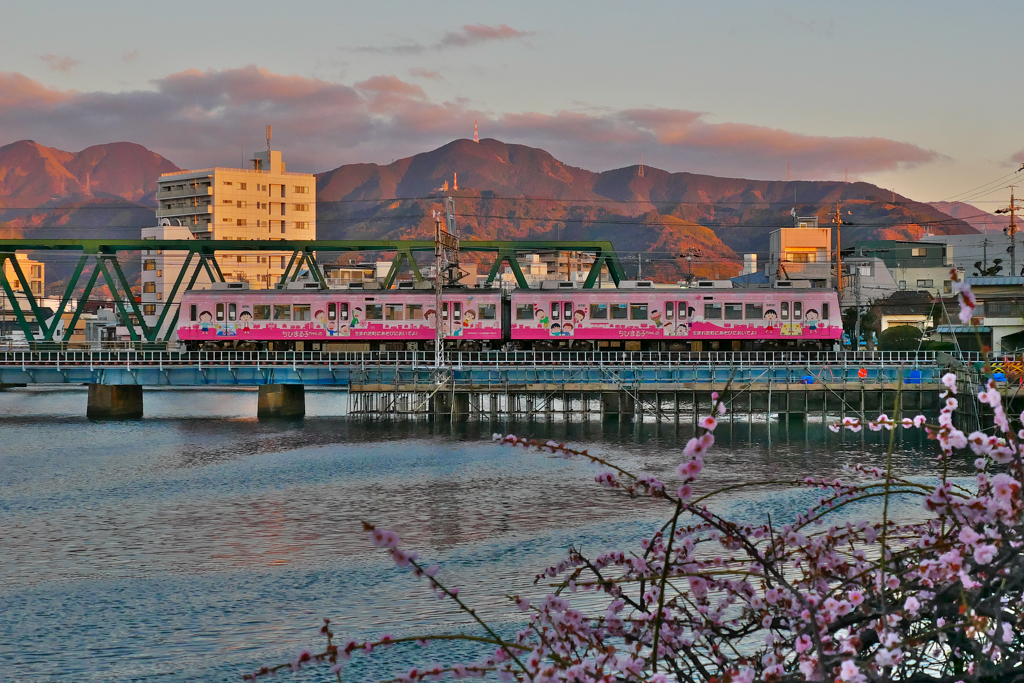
(849, 673)
(949, 380)
(912, 605)
(803, 644)
(984, 554)
(919, 420)
(1004, 486)
(855, 597)
(400, 557)
(383, 538)
(685, 492)
(708, 422)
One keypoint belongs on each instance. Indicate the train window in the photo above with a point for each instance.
(231, 311)
(556, 310)
(282, 312)
(712, 311)
(598, 311)
(619, 311)
(638, 311)
(798, 309)
(785, 310)
(670, 310)
(374, 311)
(302, 312)
(394, 312)
(343, 311)
(524, 311)
(261, 312)
(734, 311)
(488, 312)
(220, 312)
(192, 312)
(456, 311)
(332, 311)
(444, 311)
(414, 311)
(567, 310)
(824, 311)
(755, 311)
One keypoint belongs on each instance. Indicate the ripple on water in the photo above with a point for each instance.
(197, 543)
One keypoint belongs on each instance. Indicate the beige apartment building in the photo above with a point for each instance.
(34, 272)
(264, 202)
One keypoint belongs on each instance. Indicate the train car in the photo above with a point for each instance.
(231, 316)
(699, 319)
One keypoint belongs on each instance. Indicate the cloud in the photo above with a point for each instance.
(201, 118)
(419, 72)
(129, 55)
(60, 64)
(473, 34)
(467, 36)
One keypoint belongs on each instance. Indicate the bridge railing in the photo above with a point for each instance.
(461, 360)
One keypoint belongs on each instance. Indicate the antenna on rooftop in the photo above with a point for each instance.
(269, 136)
(476, 133)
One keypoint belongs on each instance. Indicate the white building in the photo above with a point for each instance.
(160, 271)
(264, 202)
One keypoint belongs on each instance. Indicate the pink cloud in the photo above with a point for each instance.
(472, 34)
(61, 64)
(419, 72)
(467, 36)
(203, 118)
(391, 85)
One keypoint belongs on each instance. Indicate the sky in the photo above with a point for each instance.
(920, 97)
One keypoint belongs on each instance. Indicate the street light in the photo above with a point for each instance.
(688, 255)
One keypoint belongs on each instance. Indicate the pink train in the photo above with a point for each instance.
(636, 316)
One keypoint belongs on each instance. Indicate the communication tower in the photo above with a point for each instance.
(476, 133)
(640, 173)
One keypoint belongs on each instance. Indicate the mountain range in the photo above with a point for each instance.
(505, 191)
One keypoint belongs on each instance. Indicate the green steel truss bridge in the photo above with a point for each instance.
(201, 255)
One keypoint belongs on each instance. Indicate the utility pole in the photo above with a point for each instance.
(1011, 230)
(688, 255)
(639, 267)
(839, 253)
(856, 303)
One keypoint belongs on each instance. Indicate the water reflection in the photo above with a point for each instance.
(197, 542)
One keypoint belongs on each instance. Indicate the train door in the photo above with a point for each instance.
(562, 322)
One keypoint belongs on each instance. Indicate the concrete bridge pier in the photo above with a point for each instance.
(456, 405)
(281, 400)
(617, 403)
(114, 402)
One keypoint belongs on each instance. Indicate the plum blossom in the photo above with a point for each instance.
(984, 554)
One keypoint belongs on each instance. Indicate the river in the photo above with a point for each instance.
(198, 543)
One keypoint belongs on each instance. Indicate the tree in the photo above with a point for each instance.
(991, 271)
(900, 338)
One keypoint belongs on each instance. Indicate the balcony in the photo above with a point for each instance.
(205, 210)
(193, 191)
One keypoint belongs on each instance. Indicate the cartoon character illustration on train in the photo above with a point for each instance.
(628, 318)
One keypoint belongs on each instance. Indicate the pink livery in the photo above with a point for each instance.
(336, 315)
(676, 314)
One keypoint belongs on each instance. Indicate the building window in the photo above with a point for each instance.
(37, 287)
(947, 286)
(149, 264)
(925, 283)
(226, 182)
(159, 273)
(797, 257)
(240, 204)
(301, 225)
(241, 186)
(159, 296)
(903, 284)
(240, 222)
(301, 190)
(918, 251)
(149, 309)
(300, 207)
(148, 287)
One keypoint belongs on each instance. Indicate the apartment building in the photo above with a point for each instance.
(160, 270)
(34, 272)
(801, 253)
(263, 202)
(921, 266)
